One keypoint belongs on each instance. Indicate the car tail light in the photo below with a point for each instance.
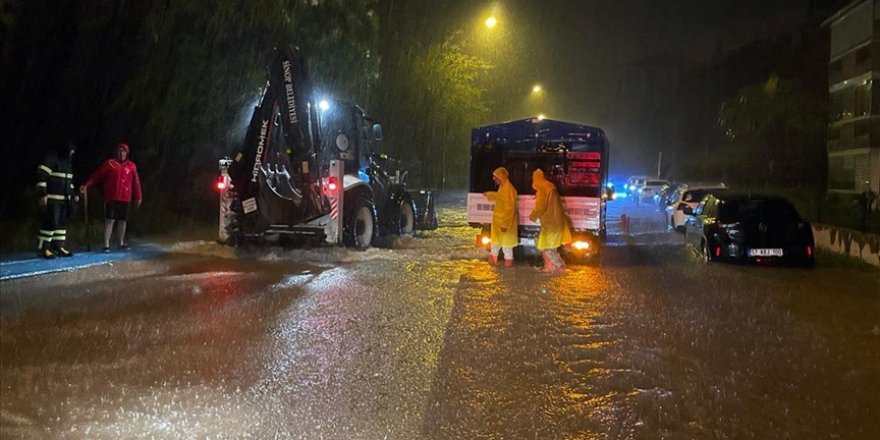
(718, 251)
(809, 251)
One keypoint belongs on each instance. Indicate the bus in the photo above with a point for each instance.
(575, 157)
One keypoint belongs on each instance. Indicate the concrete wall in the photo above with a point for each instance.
(865, 247)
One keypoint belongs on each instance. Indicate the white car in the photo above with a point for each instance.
(649, 189)
(632, 185)
(687, 196)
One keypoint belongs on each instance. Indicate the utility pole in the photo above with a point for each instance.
(659, 161)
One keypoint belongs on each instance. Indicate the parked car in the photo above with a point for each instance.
(647, 191)
(633, 184)
(749, 228)
(665, 197)
(687, 196)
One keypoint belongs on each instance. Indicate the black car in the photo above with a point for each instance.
(749, 228)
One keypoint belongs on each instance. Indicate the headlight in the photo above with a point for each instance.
(581, 245)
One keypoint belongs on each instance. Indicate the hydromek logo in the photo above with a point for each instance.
(261, 145)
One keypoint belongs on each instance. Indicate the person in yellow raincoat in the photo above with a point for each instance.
(505, 218)
(555, 225)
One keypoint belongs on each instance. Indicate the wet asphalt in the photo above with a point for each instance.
(423, 340)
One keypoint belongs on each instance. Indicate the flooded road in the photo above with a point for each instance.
(425, 340)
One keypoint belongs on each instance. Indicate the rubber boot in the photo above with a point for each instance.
(508, 263)
(493, 260)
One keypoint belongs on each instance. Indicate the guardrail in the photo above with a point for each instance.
(863, 246)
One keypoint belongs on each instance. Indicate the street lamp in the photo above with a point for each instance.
(537, 88)
(491, 22)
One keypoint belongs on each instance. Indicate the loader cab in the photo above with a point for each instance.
(348, 134)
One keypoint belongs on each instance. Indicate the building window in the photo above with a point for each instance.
(863, 99)
(834, 134)
(863, 128)
(862, 55)
(841, 172)
(835, 109)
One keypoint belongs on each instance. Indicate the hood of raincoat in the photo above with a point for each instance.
(501, 173)
(538, 178)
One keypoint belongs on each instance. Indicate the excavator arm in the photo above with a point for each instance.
(275, 175)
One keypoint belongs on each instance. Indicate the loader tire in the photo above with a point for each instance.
(360, 227)
(404, 218)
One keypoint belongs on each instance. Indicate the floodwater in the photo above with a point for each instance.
(425, 340)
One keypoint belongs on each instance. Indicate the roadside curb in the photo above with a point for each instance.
(16, 268)
(860, 245)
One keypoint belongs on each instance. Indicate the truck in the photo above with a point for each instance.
(575, 157)
(312, 171)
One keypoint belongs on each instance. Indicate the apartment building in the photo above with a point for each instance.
(854, 116)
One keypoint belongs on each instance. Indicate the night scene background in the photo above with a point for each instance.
(178, 80)
(243, 308)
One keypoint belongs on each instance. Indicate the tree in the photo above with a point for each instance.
(775, 133)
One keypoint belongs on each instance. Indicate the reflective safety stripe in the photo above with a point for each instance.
(43, 240)
(56, 197)
(62, 175)
(59, 232)
(46, 233)
(44, 168)
(41, 184)
(59, 238)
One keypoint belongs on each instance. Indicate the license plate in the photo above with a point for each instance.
(765, 252)
(527, 241)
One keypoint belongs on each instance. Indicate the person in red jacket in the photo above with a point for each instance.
(121, 185)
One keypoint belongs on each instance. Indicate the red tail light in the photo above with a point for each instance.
(809, 251)
(718, 251)
(221, 183)
(332, 184)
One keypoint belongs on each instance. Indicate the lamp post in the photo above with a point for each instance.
(537, 101)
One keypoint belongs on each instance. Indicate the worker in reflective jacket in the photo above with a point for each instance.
(505, 219)
(57, 200)
(555, 225)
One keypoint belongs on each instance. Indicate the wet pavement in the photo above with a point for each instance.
(425, 340)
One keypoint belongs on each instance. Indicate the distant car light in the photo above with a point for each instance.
(581, 245)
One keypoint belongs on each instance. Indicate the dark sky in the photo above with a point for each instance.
(589, 53)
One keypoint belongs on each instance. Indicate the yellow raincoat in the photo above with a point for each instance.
(505, 214)
(555, 225)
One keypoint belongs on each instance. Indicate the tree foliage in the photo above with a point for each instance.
(177, 80)
(774, 132)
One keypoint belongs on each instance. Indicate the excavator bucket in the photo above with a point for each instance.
(426, 216)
